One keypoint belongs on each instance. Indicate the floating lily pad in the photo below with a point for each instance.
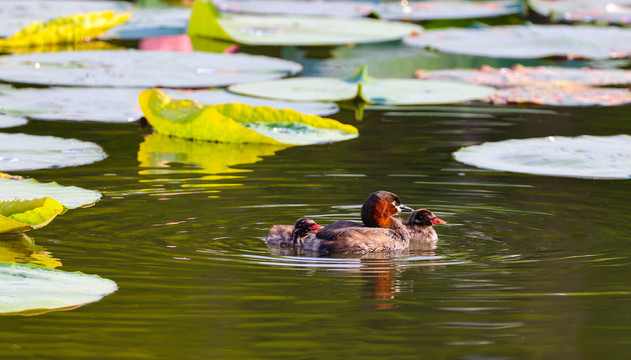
(310, 8)
(435, 10)
(64, 30)
(239, 123)
(206, 21)
(583, 10)
(529, 41)
(70, 196)
(593, 157)
(7, 121)
(147, 22)
(22, 249)
(561, 94)
(520, 75)
(17, 216)
(132, 68)
(16, 14)
(165, 154)
(119, 105)
(28, 287)
(371, 90)
(30, 152)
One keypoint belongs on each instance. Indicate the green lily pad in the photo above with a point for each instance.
(435, 10)
(119, 105)
(238, 123)
(30, 288)
(17, 216)
(206, 21)
(166, 154)
(309, 8)
(64, 30)
(7, 121)
(371, 90)
(150, 22)
(22, 249)
(69, 196)
(529, 41)
(560, 93)
(521, 75)
(30, 152)
(132, 68)
(592, 157)
(16, 14)
(602, 11)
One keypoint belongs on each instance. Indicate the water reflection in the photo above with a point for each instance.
(22, 249)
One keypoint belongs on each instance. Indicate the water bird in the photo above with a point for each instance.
(420, 226)
(291, 235)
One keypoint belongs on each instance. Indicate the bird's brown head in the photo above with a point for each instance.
(380, 207)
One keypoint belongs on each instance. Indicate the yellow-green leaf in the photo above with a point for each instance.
(239, 123)
(68, 29)
(27, 214)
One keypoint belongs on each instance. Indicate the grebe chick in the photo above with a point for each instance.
(421, 229)
(288, 235)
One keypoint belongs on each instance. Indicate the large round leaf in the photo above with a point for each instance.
(17, 216)
(132, 68)
(149, 22)
(16, 14)
(7, 121)
(27, 287)
(594, 157)
(372, 90)
(583, 10)
(239, 123)
(452, 9)
(120, 105)
(528, 41)
(309, 8)
(30, 152)
(292, 30)
(520, 75)
(69, 196)
(562, 94)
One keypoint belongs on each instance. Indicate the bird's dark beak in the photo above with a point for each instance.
(437, 221)
(404, 208)
(315, 227)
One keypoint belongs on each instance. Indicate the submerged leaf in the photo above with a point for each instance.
(30, 152)
(561, 94)
(592, 157)
(30, 288)
(69, 196)
(238, 123)
(69, 29)
(370, 89)
(206, 21)
(529, 41)
(22, 215)
(133, 68)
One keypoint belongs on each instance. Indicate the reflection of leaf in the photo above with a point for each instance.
(206, 21)
(21, 248)
(182, 155)
(27, 214)
(69, 29)
(238, 123)
(30, 288)
(371, 90)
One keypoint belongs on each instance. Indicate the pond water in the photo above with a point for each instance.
(528, 267)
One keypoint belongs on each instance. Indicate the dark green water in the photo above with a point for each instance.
(528, 267)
